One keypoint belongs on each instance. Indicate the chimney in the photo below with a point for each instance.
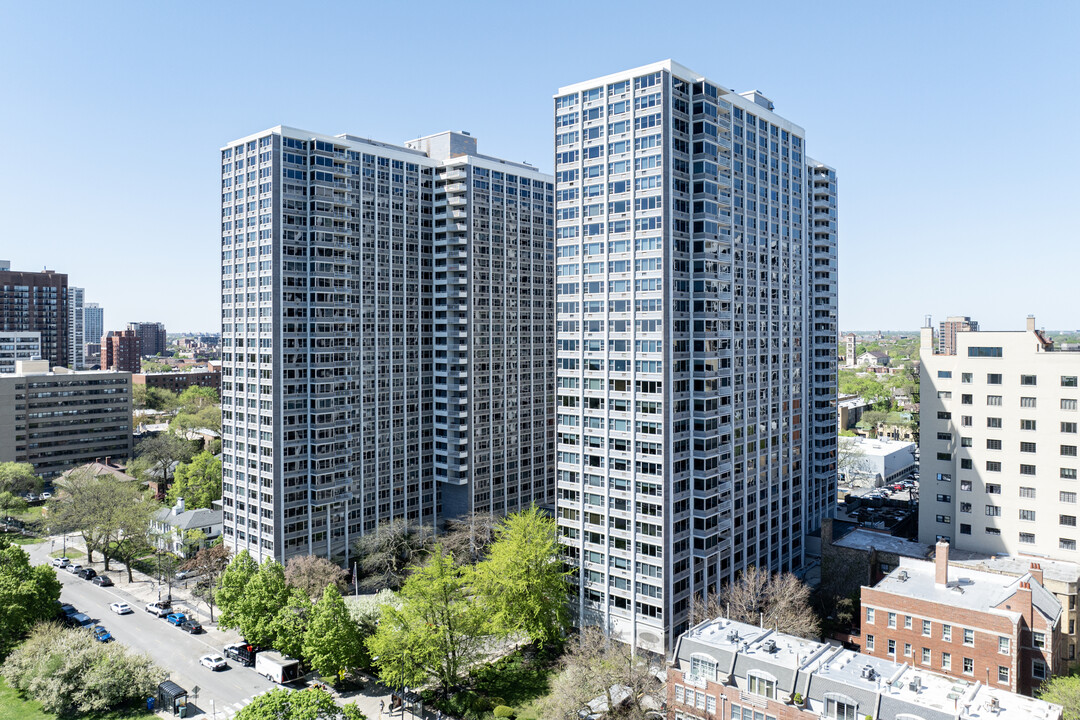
(1022, 600)
(1036, 572)
(941, 563)
(1031, 323)
(179, 507)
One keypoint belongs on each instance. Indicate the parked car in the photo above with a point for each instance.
(214, 662)
(184, 574)
(60, 562)
(79, 620)
(161, 608)
(102, 581)
(46, 495)
(66, 610)
(121, 608)
(87, 573)
(191, 626)
(242, 653)
(176, 618)
(73, 568)
(101, 634)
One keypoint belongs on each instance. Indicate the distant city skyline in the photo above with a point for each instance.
(916, 105)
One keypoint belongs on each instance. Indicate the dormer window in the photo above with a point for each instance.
(840, 707)
(702, 667)
(763, 684)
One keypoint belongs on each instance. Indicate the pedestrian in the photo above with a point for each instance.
(382, 706)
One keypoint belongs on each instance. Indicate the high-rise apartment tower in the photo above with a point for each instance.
(947, 330)
(76, 329)
(387, 337)
(152, 337)
(696, 343)
(36, 302)
(998, 425)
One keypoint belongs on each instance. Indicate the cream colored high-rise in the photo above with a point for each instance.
(998, 425)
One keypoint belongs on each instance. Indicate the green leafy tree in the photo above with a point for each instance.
(332, 644)
(161, 451)
(197, 481)
(522, 581)
(197, 398)
(93, 506)
(232, 587)
(12, 503)
(291, 624)
(260, 601)
(18, 478)
(438, 631)
(131, 538)
(308, 704)
(73, 675)
(1063, 690)
(28, 594)
(144, 398)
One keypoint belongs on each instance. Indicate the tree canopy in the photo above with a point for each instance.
(28, 594)
(197, 481)
(73, 675)
(522, 580)
(332, 643)
(313, 574)
(780, 601)
(307, 704)
(18, 478)
(385, 556)
(438, 631)
(1063, 690)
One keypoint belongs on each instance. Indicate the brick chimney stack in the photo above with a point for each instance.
(1036, 572)
(941, 563)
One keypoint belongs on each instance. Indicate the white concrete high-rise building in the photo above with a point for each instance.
(76, 333)
(696, 343)
(998, 444)
(387, 337)
(93, 323)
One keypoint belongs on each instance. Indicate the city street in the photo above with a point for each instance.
(173, 649)
(221, 694)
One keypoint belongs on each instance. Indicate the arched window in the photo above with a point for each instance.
(761, 683)
(840, 707)
(702, 667)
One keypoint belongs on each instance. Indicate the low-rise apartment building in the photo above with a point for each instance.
(999, 630)
(56, 419)
(179, 381)
(726, 670)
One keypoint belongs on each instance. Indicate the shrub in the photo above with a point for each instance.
(501, 711)
(71, 674)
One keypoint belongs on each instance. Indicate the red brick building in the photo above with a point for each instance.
(121, 350)
(1005, 632)
(724, 670)
(179, 381)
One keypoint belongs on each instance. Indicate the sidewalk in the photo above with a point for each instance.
(144, 590)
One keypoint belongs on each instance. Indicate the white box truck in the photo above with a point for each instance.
(276, 667)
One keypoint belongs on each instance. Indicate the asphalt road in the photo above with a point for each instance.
(170, 647)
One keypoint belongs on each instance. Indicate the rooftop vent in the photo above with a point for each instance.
(770, 646)
(868, 672)
(903, 576)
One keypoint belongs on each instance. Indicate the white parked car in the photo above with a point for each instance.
(46, 495)
(73, 568)
(121, 608)
(214, 662)
(60, 562)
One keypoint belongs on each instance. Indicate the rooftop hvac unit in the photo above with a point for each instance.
(903, 576)
(868, 672)
(770, 646)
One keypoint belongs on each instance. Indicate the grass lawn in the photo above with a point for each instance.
(72, 553)
(16, 539)
(13, 707)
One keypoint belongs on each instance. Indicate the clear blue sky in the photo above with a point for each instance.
(952, 125)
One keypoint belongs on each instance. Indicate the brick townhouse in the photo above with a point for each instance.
(725, 670)
(1003, 631)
